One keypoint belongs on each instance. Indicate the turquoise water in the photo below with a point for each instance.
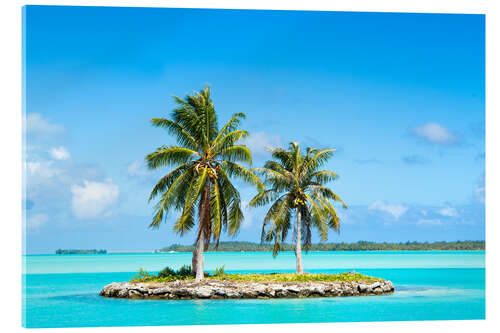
(62, 291)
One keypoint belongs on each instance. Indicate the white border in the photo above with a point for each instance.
(10, 193)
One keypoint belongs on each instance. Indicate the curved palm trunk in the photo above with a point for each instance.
(194, 261)
(200, 260)
(298, 245)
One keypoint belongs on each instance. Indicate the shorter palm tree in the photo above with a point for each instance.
(296, 187)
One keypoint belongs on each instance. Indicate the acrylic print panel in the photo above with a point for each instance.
(314, 167)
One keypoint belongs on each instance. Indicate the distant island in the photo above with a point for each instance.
(59, 251)
(358, 246)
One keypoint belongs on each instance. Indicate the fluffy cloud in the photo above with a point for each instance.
(59, 153)
(137, 168)
(37, 124)
(396, 210)
(94, 199)
(448, 211)
(40, 171)
(258, 141)
(435, 134)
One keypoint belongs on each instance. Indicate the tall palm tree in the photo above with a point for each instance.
(296, 187)
(204, 161)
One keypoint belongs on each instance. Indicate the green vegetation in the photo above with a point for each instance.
(358, 246)
(204, 162)
(59, 251)
(296, 187)
(219, 271)
(220, 274)
(183, 273)
(165, 275)
(290, 277)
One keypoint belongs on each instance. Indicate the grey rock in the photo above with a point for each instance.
(203, 292)
(220, 291)
(159, 291)
(122, 293)
(233, 294)
(134, 294)
(293, 289)
(362, 287)
(189, 289)
(318, 289)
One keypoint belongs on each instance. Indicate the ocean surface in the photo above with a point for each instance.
(62, 290)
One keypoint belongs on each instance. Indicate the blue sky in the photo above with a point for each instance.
(401, 97)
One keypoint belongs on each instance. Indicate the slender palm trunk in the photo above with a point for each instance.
(200, 260)
(194, 261)
(298, 245)
(204, 213)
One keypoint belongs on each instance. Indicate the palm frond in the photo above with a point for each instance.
(236, 154)
(239, 171)
(327, 193)
(217, 212)
(167, 180)
(185, 221)
(263, 198)
(230, 126)
(184, 138)
(228, 140)
(169, 197)
(323, 176)
(319, 158)
(167, 156)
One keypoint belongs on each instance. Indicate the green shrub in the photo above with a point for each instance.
(142, 276)
(219, 271)
(167, 271)
(185, 271)
(170, 274)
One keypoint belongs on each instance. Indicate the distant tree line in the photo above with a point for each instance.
(94, 251)
(358, 246)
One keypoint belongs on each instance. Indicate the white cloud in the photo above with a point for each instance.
(94, 199)
(36, 123)
(40, 171)
(136, 168)
(396, 210)
(449, 212)
(435, 134)
(429, 222)
(247, 213)
(59, 153)
(258, 141)
(36, 221)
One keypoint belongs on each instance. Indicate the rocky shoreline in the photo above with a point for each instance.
(225, 289)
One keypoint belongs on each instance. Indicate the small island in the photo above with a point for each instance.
(72, 251)
(240, 246)
(181, 285)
